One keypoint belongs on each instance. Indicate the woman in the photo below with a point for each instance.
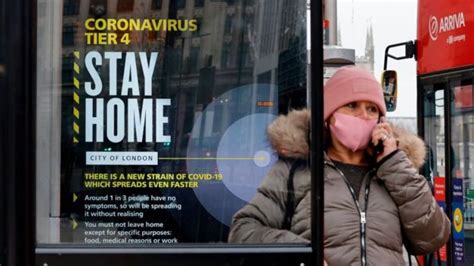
(371, 198)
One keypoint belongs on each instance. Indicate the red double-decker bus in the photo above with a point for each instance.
(444, 51)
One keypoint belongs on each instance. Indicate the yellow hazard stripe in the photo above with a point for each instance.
(76, 112)
(76, 97)
(76, 127)
(76, 68)
(76, 83)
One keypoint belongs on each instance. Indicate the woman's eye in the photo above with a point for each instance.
(351, 105)
(373, 109)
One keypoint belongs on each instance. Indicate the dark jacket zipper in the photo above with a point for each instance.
(362, 212)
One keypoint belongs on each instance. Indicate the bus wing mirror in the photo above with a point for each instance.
(410, 52)
(390, 90)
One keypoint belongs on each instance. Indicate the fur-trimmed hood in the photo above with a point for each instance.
(288, 135)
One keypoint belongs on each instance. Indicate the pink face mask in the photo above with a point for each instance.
(353, 132)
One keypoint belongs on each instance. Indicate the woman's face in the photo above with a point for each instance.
(361, 109)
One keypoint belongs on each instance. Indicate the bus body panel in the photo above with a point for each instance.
(445, 35)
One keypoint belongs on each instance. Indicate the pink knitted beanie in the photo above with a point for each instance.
(351, 84)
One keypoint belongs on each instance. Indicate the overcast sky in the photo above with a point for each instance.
(393, 21)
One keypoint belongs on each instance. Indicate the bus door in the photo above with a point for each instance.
(446, 124)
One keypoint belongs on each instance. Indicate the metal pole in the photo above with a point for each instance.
(317, 155)
(17, 137)
(448, 166)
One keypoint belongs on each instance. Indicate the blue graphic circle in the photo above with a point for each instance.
(245, 138)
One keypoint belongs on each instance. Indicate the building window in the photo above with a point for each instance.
(125, 6)
(97, 8)
(249, 2)
(177, 66)
(228, 25)
(198, 3)
(71, 7)
(67, 69)
(218, 118)
(225, 57)
(246, 56)
(69, 33)
(180, 4)
(193, 59)
(156, 4)
(189, 116)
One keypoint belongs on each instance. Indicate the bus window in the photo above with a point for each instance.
(434, 138)
(462, 143)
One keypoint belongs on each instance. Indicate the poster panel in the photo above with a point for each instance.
(440, 196)
(159, 115)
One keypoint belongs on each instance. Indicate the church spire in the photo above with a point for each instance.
(369, 46)
(369, 42)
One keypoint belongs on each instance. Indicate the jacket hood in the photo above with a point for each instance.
(288, 136)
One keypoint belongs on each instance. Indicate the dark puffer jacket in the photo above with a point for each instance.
(397, 197)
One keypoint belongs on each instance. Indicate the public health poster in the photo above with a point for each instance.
(164, 124)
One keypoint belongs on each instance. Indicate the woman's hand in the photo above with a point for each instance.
(383, 133)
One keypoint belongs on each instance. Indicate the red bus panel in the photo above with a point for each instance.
(445, 35)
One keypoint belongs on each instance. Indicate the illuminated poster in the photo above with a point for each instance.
(164, 108)
(440, 196)
(458, 221)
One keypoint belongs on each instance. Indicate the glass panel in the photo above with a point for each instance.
(434, 168)
(462, 134)
(434, 131)
(151, 129)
